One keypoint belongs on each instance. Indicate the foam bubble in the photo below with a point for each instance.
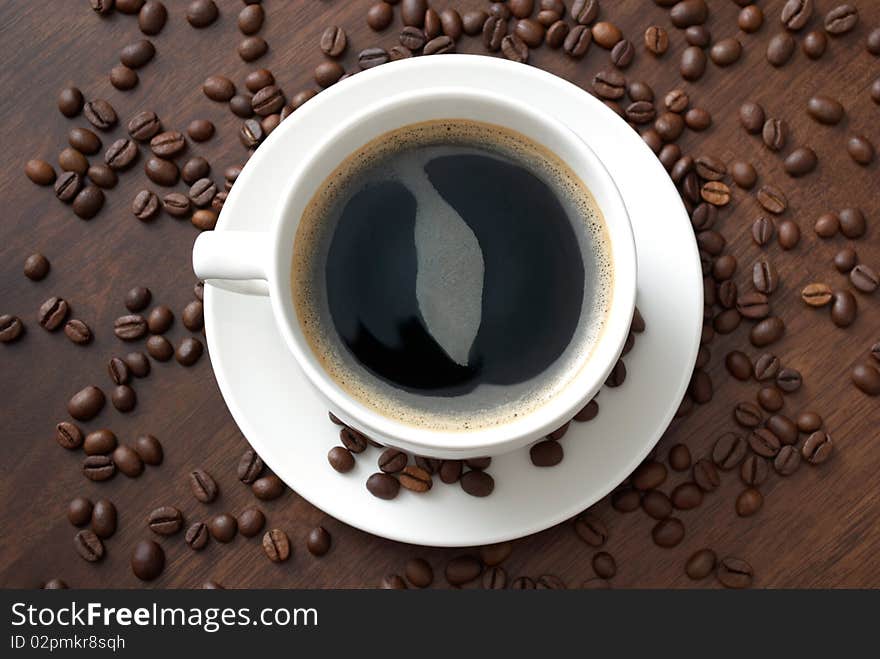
(488, 405)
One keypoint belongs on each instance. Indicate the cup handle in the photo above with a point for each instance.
(234, 256)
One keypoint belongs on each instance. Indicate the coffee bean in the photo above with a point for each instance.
(200, 130)
(98, 468)
(341, 459)
(749, 502)
(123, 398)
(705, 475)
(606, 34)
(71, 160)
(391, 461)
(477, 483)
(223, 527)
(130, 327)
(100, 114)
(268, 488)
(841, 20)
(68, 435)
(693, 63)
(393, 582)
(814, 44)
(383, 486)
(218, 88)
(729, 451)
(780, 49)
(656, 40)
(203, 487)
(739, 365)
(548, 453)
(102, 176)
(796, 14)
(825, 110)
(700, 387)
(748, 416)
(800, 162)
(88, 202)
(121, 154)
(83, 140)
(750, 19)
(809, 422)
(787, 461)
(415, 479)
(775, 134)
(149, 449)
(770, 398)
(144, 125)
(77, 331)
(251, 522)
(250, 19)
(864, 278)
(753, 306)
(70, 101)
(194, 169)
(867, 378)
(201, 13)
(165, 520)
(494, 578)
(161, 172)
(860, 149)
(196, 536)
(817, 448)
(85, 404)
(715, 193)
(168, 144)
(649, 475)
(734, 573)
(11, 328)
(697, 119)
(147, 559)
(726, 52)
(514, 49)
(676, 101)
(100, 442)
(250, 466)
(783, 427)
(753, 470)
(789, 380)
(872, 43)
(764, 277)
(79, 511)
(844, 308)
(764, 443)
(176, 204)
(40, 172)
(668, 532)
(137, 54)
(623, 53)
(88, 546)
(318, 543)
(463, 569)
(767, 331)
(138, 364)
(656, 504)
(852, 223)
(686, 496)
(577, 41)
(701, 564)
(751, 116)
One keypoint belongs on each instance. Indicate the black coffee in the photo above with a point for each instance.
(452, 274)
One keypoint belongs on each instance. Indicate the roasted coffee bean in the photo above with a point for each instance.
(606, 34)
(625, 500)
(149, 449)
(168, 144)
(161, 172)
(203, 487)
(415, 479)
(196, 536)
(138, 364)
(194, 169)
(749, 502)
(764, 443)
(318, 542)
(710, 168)
(649, 475)
(102, 176)
(137, 54)
(817, 448)
(852, 223)
(656, 40)
(770, 398)
(71, 160)
(79, 511)
(753, 470)
(767, 331)
(766, 367)
(251, 522)
(383, 486)
(99, 442)
(268, 100)
(750, 19)
(193, 313)
(548, 453)
(578, 41)
(656, 504)
(844, 308)
(88, 546)
(622, 53)
(604, 565)
(783, 427)
(701, 564)
(145, 206)
(353, 440)
(729, 451)
(697, 119)
(669, 154)
(780, 49)
(705, 475)
(860, 149)
(250, 466)
(477, 483)
(748, 416)
(393, 582)
(201, 13)
(724, 267)
(715, 193)
(268, 488)
(775, 134)
(751, 116)
(77, 331)
(841, 19)
(341, 459)
(165, 520)
(787, 461)
(473, 21)
(734, 573)
(451, 23)
(701, 387)
(11, 328)
(85, 404)
(514, 49)
(867, 378)
(176, 204)
(391, 461)
(70, 101)
(668, 532)
(496, 554)
(419, 573)
(200, 130)
(88, 202)
(40, 172)
(825, 110)
(789, 380)
(463, 569)
(494, 578)
(753, 306)
(739, 365)
(123, 398)
(36, 267)
(676, 101)
(100, 114)
(827, 225)
(147, 560)
(669, 126)
(121, 154)
(809, 422)
(250, 19)
(686, 496)
(800, 162)
(68, 435)
(693, 63)
(98, 468)
(814, 44)
(130, 327)
(726, 51)
(864, 278)
(413, 12)
(84, 141)
(764, 277)
(218, 88)
(223, 527)
(796, 14)
(144, 125)
(202, 192)
(609, 84)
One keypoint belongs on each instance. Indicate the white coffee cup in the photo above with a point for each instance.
(266, 256)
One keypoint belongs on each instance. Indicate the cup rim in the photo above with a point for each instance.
(495, 439)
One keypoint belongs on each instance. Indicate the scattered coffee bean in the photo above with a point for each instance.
(88, 546)
(149, 449)
(753, 470)
(341, 459)
(165, 520)
(147, 560)
(734, 573)
(817, 448)
(85, 404)
(844, 308)
(668, 532)
(787, 461)
(318, 542)
(201, 13)
(463, 569)
(780, 49)
(79, 511)
(203, 487)
(867, 378)
(251, 522)
(98, 468)
(268, 488)
(68, 435)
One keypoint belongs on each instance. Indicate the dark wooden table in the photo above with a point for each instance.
(817, 528)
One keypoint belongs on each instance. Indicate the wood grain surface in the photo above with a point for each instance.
(818, 528)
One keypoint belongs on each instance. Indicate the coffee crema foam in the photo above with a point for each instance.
(487, 405)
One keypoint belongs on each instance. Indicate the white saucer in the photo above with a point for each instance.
(286, 423)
